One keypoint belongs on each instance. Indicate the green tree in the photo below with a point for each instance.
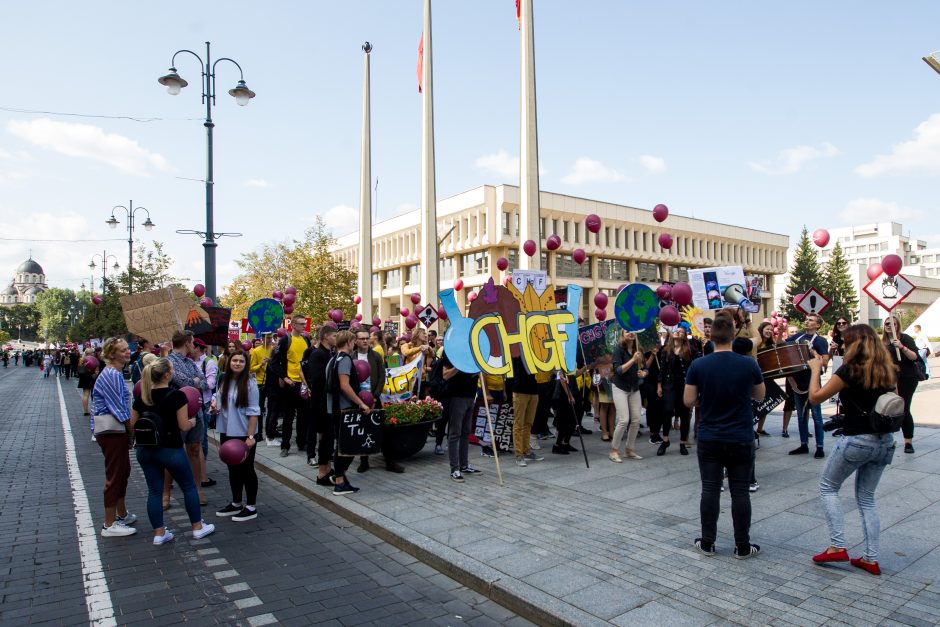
(838, 288)
(4, 337)
(322, 282)
(56, 309)
(21, 321)
(803, 275)
(151, 271)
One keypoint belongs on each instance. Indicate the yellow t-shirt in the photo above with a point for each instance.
(381, 351)
(294, 354)
(259, 357)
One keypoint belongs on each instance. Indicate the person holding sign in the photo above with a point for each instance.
(801, 381)
(903, 350)
(627, 374)
(341, 397)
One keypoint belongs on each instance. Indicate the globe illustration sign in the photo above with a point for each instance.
(265, 315)
(636, 307)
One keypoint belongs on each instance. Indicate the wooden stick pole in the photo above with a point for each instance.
(489, 424)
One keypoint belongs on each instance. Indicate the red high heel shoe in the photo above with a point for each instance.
(869, 567)
(839, 556)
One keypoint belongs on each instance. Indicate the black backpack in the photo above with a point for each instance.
(148, 428)
(437, 384)
(332, 379)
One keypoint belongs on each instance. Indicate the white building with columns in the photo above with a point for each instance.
(480, 225)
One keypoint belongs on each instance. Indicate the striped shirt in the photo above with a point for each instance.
(109, 395)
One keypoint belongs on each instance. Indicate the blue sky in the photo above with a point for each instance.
(764, 115)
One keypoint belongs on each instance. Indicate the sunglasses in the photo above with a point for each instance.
(842, 323)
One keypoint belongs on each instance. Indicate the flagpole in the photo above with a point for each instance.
(489, 424)
(429, 248)
(365, 193)
(528, 145)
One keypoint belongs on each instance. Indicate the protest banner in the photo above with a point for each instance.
(266, 315)
(773, 396)
(599, 340)
(501, 415)
(234, 330)
(402, 382)
(156, 315)
(360, 433)
(717, 288)
(219, 319)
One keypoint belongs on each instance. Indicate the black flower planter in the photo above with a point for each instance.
(402, 441)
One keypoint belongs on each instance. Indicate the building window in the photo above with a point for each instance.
(554, 226)
(543, 262)
(648, 272)
(679, 273)
(507, 222)
(475, 263)
(564, 230)
(884, 246)
(446, 268)
(613, 269)
(874, 248)
(376, 281)
(565, 266)
(577, 233)
(513, 257)
(413, 275)
(392, 279)
(541, 228)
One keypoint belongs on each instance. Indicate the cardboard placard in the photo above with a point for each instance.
(717, 288)
(812, 302)
(402, 382)
(360, 433)
(391, 327)
(219, 319)
(502, 417)
(156, 315)
(599, 340)
(773, 396)
(266, 315)
(636, 307)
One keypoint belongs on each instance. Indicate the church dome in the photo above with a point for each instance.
(31, 267)
(9, 291)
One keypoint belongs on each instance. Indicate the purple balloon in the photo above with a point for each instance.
(660, 212)
(553, 242)
(366, 397)
(682, 294)
(233, 452)
(411, 322)
(290, 299)
(194, 398)
(578, 256)
(529, 247)
(291, 290)
(600, 300)
(277, 294)
(593, 223)
(336, 315)
(669, 316)
(362, 369)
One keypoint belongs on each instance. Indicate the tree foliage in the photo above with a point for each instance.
(151, 271)
(21, 321)
(839, 288)
(803, 275)
(57, 309)
(322, 282)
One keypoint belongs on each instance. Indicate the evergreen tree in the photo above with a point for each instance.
(838, 288)
(803, 275)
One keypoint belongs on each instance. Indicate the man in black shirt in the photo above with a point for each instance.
(461, 392)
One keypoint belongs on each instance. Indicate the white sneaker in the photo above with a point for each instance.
(273, 441)
(127, 521)
(117, 530)
(534, 443)
(520, 461)
(166, 537)
(207, 528)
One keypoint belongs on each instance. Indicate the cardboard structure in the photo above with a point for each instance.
(156, 315)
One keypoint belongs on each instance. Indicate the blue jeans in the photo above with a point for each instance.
(153, 461)
(866, 456)
(803, 420)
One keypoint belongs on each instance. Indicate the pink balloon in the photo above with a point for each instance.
(664, 292)
(874, 270)
(205, 301)
(290, 299)
(416, 298)
(472, 296)
(773, 314)
(405, 312)
(441, 313)
(91, 364)
(288, 309)
(233, 452)
(502, 263)
(355, 325)
(96, 300)
(357, 299)
(578, 255)
(376, 321)
(553, 242)
(362, 369)
(246, 345)
(291, 290)
(593, 223)
(199, 290)
(277, 294)
(366, 397)
(660, 212)
(892, 264)
(665, 240)
(682, 294)
(458, 284)
(669, 316)
(358, 317)
(375, 328)
(821, 237)
(411, 322)
(281, 332)
(600, 314)
(194, 398)
(601, 300)
(529, 247)
(337, 315)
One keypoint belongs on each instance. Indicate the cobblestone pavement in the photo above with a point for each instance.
(612, 543)
(296, 564)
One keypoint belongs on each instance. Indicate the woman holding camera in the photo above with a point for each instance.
(866, 373)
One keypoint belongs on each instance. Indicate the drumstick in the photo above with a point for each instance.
(894, 334)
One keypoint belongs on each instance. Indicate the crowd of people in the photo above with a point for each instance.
(291, 392)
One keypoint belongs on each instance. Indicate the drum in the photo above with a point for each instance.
(784, 360)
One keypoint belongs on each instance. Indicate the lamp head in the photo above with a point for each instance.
(115, 267)
(367, 47)
(241, 93)
(173, 82)
(92, 264)
(112, 222)
(149, 224)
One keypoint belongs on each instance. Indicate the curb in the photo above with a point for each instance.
(523, 599)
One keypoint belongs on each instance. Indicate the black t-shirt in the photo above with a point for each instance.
(462, 384)
(908, 368)
(855, 400)
(166, 402)
(522, 381)
(725, 382)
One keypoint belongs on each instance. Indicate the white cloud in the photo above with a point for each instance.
(258, 183)
(341, 219)
(65, 264)
(502, 164)
(585, 170)
(90, 142)
(792, 160)
(869, 210)
(921, 154)
(653, 165)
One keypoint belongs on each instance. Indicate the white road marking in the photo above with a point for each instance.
(97, 594)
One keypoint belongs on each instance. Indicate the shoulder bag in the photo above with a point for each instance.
(106, 423)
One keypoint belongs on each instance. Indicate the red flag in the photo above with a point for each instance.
(518, 15)
(420, 64)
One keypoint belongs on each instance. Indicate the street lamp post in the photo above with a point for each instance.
(104, 268)
(174, 83)
(113, 222)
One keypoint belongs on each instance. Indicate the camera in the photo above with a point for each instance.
(836, 422)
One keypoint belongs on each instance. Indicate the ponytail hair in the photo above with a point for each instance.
(154, 372)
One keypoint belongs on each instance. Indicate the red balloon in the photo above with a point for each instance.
(502, 263)
(358, 317)
(669, 316)
(277, 294)
(405, 312)
(660, 212)
(281, 332)
(355, 325)
(375, 328)
(416, 298)
(336, 315)
(682, 294)
(199, 290)
(600, 300)
(291, 290)
(553, 242)
(362, 369)
(411, 322)
(194, 398)
(529, 247)
(441, 313)
(288, 309)
(205, 301)
(366, 397)
(458, 284)
(665, 240)
(600, 314)
(246, 345)
(664, 292)
(472, 296)
(91, 364)
(892, 264)
(290, 299)
(593, 223)
(136, 389)
(357, 299)
(376, 321)
(873, 271)
(578, 255)
(821, 237)
(233, 452)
